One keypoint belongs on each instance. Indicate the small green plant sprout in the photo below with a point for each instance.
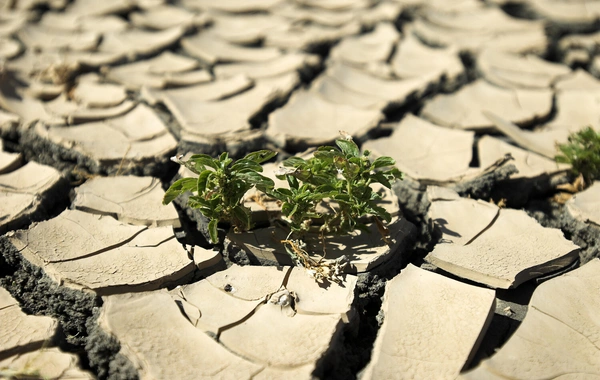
(582, 152)
(329, 193)
(220, 187)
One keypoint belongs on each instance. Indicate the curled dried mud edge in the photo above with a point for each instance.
(76, 312)
(554, 215)
(76, 165)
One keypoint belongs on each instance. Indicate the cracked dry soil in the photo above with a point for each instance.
(469, 97)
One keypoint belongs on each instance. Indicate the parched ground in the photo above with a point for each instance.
(491, 269)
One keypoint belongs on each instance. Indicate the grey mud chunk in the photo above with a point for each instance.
(67, 21)
(76, 112)
(585, 206)
(42, 38)
(459, 220)
(365, 250)
(242, 323)
(373, 47)
(245, 305)
(475, 28)
(292, 125)
(205, 119)
(212, 49)
(233, 6)
(19, 332)
(134, 142)
(528, 164)
(165, 70)
(307, 36)
(574, 15)
(418, 306)
(558, 337)
(245, 29)
(46, 363)
(414, 59)
(427, 152)
(162, 343)
(9, 48)
(167, 16)
(515, 71)
(130, 199)
(500, 251)
(541, 142)
(343, 84)
(100, 254)
(25, 191)
(284, 64)
(138, 42)
(463, 109)
(577, 104)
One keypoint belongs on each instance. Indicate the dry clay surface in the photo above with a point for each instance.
(469, 97)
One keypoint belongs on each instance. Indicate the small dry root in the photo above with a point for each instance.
(568, 189)
(319, 269)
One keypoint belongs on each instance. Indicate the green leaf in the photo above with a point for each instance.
(348, 147)
(284, 192)
(342, 198)
(294, 162)
(292, 182)
(383, 161)
(203, 180)
(245, 165)
(212, 231)
(260, 156)
(177, 188)
(243, 215)
(380, 212)
(257, 180)
(204, 160)
(381, 178)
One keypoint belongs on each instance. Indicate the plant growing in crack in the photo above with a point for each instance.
(582, 152)
(329, 193)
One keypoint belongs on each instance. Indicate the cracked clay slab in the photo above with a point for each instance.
(291, 124)
(130, 199)
(211, 49)
(45, 363)
(19, 332)
(166, 70)
(529, 164)
(463, 109)
(459, 220)
(585, 206)
(376, 46)
(128, 142)
(282, 65)
(365, 250)
(99, 253)
(425, 151)
(162, 343)
(514, 71)
(415, 59)
(479, 27)
(432, 328)
(259, 313)
(22, 193)
(559, 337)
(512, 249)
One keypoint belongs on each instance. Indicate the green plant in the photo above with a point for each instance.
(328, 193)
(220, 187)
(583, 153)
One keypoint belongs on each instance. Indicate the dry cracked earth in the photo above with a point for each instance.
(491, 270)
